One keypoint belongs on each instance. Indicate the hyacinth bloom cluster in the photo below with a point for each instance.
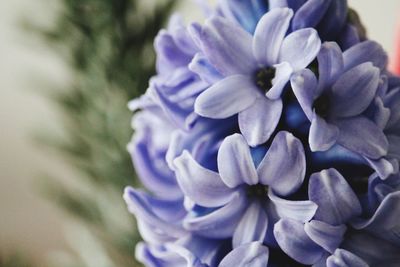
(270, 136)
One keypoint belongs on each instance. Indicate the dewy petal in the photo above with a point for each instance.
(284, 165)
(252, 227)
(337, 203)
(360, 135)
(344, 258)
(310, 14)
(300, 210)
(259, 121)
(367, 51)
(385, 223)
(327, 236)
(304, 86)
(300, 48)
(235, 164)
(201, 185)
(354, 91)
(227, 46)
(252, 254)
(269, 34)
(283, 71)
(330, 64)
(227, 97)
(220, 223)
(323, 135)
(294, 241)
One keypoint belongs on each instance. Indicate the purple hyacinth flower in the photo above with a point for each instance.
(255, 69)
(335, 102)
(333, 235)
(237, 195)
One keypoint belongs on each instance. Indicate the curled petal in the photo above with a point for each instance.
(330, 64)
(155, 212)
(323, 135)
(252, 227)
(227, 46)
(259, 121)
(354, 91)
(235, 164)
(362, 136)
(300, 48)
(337, 203)
(220, 223)
(344, 258)
(227, 97)
(367, 51)
(201, 185)
(304, 86)
(294, 241)
(283, 71)
(250, 254)
(269, 34)
(284, 165)
(310, 14)
(327, 236)
(301, 210)
(385, 222)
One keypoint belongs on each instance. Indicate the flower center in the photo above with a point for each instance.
(263, 78)
(322, 105)
(257, 191)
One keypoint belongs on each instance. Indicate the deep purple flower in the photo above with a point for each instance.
(255, 69)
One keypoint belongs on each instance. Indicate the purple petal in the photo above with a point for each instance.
(344, 258)
(327, 236)
(252, 254)
(362, 136)
(385, 223)
(252, 227)
(354, 91)
(227, 46)
(367, 51)
(394, 146)
(310, 14)
(330, 64)
(227, 97)
(383, 167)
(204, 69)
(372, 249)
(284, 165)
(220, 223)
(294, 241)
(269, 34)
(323, 135)
(337, 203)
(301, 210)
(300, 48)
(283, 71)
(201, 185)
(304, 86)
(235, 164)
(292, 4)
(155, 212)
(259, 121)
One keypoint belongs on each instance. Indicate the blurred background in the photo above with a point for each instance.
(32, 63)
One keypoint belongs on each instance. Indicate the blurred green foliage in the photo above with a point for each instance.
(109, 46)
